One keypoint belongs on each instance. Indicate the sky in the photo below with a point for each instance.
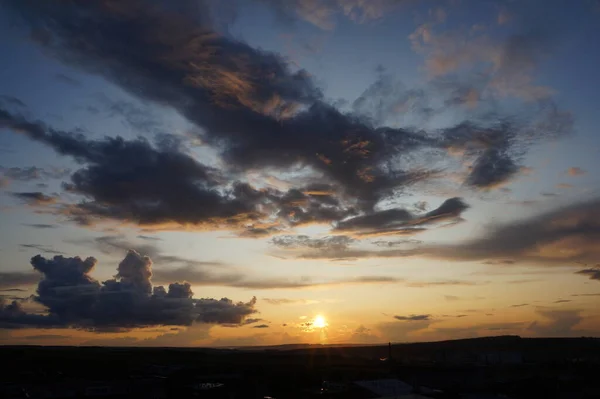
(264, 172)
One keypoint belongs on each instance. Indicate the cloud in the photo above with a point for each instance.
(597, 294)
(134, 116)
(479, 69)
(12, 101)
(559, 323)
(287, 301)
(200, 277)
(333, 243)
(41, 248)
(9, 280)
(561, 236)
(67, 80)
(592, 273)
(400, 221)
(41, 225)
(73, 298)
(519, 305)
(118, 243)
(563, 301)
(575, 171)
(323, 14)
(261, 326)
(149, 238)
(508, 64)
(395, 243)
(35, 198)
(414, 317)
(33, 173)
(422, 284)
(257, 112)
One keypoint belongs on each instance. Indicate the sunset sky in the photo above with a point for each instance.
(265, 172)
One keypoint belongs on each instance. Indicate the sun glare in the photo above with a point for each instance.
(320, 322)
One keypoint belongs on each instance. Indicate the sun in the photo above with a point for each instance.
(320, 322)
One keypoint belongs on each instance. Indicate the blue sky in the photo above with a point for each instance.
(349, 159)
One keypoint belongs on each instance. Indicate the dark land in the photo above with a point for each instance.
(495, 367)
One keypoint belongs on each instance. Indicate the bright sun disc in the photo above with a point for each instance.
(320, 322)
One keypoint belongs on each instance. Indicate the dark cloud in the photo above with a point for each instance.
(559, 323)
(256, 111)
(41, 225)
(261, 326)
(592, 273)
(401, 221)
(563, 301)
(390, 244)
(35, 198)
(13, 101)
(73, 298)
(414, 317)
(12, 315)
(67, 80)
(598, 294)
(9, 280)
(12, 289)
(41, 248)
(157, 185)
(251, 321)
(565, 235)
(259, 113)
(519, 305)
(500, 262)
(333, 243)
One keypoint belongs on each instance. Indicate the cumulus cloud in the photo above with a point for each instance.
(73, 298)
